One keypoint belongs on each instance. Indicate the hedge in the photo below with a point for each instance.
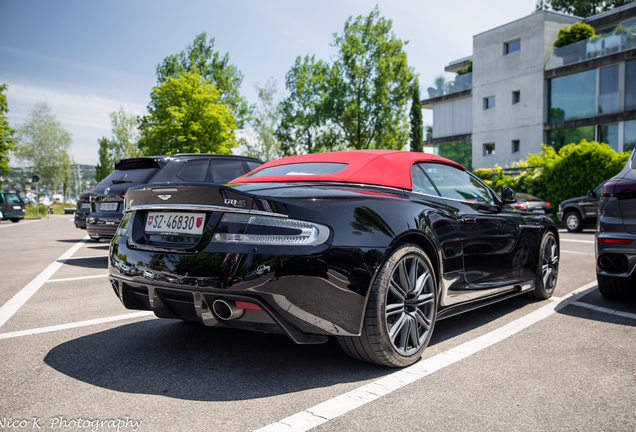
(568, 173)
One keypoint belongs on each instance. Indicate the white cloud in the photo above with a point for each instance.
(85, 116)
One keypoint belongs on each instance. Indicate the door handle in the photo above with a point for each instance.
(468, 220)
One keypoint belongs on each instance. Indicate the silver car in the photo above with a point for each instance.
(616, 234)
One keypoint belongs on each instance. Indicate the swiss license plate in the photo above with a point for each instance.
(17, 208)
(108, 206)
(174, 223)
(86, 205)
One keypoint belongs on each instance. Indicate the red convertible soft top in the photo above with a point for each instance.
(377, 167)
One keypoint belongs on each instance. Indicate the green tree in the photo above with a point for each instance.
(417, 125)
(581, 8)
(369, 86)
(186, 115)
(265, 120)
(105, 165)
(303, 126)
(44, 144)
(125, 134)
(7, 139)
(200, 58)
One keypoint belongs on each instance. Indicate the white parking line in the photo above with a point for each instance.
(604, 310)
(576, 241)
(326, 411)
(76, 278)
(21, 223)
(17, 301)
(74, 325)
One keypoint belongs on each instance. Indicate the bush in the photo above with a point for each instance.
(574, 33)
(568, 173)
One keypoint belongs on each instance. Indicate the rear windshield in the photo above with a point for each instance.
(11, 198)
(301, 169)
(199, 170)
(527, 197)
(129, 176)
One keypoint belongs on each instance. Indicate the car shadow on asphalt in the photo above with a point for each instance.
(189, 361)
(596, 299)
(91, 262)
(193, 362)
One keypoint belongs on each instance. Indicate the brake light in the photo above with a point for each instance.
(548, 204)
(619, 188)
(613, 241)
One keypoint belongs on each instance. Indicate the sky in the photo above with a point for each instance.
(87, 58)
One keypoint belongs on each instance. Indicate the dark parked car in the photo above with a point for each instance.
(579, 211)
(11, 207)
(616, 234)
(370, 246)
(83, 210)
(107, 198)
(531, 203)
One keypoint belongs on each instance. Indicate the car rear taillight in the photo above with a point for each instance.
(8, 207)
(548, 204)
(519, 206)
(613, 241)
(619, 188)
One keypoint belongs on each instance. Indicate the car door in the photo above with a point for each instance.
(494, 253)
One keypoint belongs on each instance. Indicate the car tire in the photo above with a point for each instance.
(15, 220)
(95, 239)
(616, 287)
(547, 268)
(573, 221)
(400, 313)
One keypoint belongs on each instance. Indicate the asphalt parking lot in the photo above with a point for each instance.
(74, 359)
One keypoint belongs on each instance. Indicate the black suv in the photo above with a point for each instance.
(576, 212)
(107, 199)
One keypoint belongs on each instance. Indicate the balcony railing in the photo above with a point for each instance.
(443, 88)
(597, 46)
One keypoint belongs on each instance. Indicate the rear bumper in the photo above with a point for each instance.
(101, 231)
(306, 296)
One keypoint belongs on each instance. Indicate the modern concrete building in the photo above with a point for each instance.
(522, 92)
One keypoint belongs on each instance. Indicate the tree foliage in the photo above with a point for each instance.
(106, 164)
(417, 125)
(45, 144)
(125, 134)
(559, 175)
(7, 138)
(186, 115)
(200, 58)
(357, 102)
(266, 117)
(304, 127)
(369, 85)
(581, 8)
(574, 33)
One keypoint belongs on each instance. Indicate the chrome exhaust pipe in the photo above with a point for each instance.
(605, 262)
(226, 310)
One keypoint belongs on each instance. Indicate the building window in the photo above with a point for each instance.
(516, 97)
(608, 134)
(629, 141)
(630, 85)
(489, 149)
(516, 146)
(573, 96)
(489, 102)
(559, 138)
(510, 47)
(608, 90)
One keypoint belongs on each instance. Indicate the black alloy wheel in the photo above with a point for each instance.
(548, 268)
(573, 222)
(400, 314)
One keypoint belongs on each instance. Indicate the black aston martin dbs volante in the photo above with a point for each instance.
(369, 246)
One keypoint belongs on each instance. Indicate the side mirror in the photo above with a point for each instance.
(508, 195)
(591, 193)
